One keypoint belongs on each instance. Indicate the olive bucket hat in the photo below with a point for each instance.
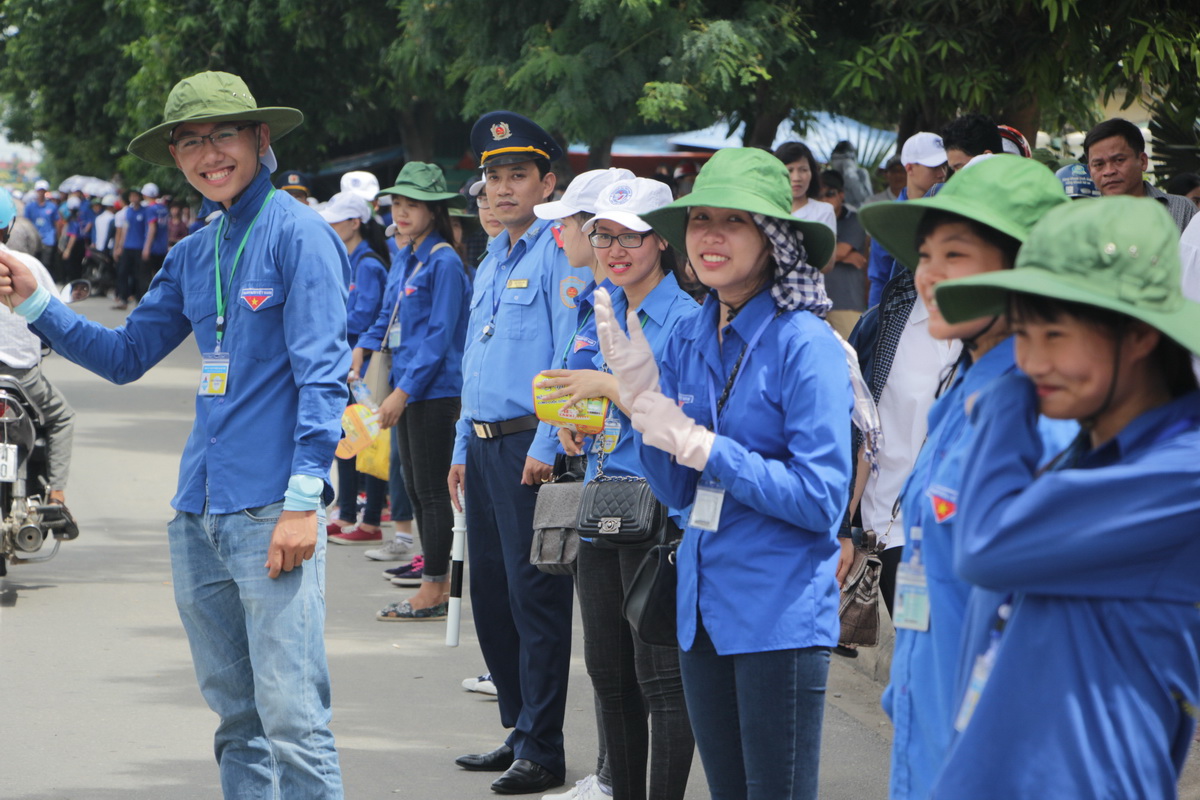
(746, 179)
(419, 180)
(210, 97)
(1006, 192)
(1118, 253)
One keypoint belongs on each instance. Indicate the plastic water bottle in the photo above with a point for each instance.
(362, 394)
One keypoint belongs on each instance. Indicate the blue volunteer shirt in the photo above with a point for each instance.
(285, 336)
(87, 222)
(368, 278)
(662, 309)
(137, 221)
(528, 297)
(765, 579)
(432, 319)
(161, 216)
(44, 217)
(921, 696)
(1096, 680)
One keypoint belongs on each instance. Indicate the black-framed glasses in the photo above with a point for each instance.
(628, 240)
(219, 139)
(829, 193)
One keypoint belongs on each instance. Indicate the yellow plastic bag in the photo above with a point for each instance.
(375, 458)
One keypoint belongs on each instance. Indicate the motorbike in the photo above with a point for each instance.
(28, 522)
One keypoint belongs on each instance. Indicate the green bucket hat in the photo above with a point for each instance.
(1005, 192)
(1119, 253)
(747, 179)
(210, 97)
(419, 180)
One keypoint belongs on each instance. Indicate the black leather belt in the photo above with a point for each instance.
(494, 430)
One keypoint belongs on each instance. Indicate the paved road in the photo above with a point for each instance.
(97, 696)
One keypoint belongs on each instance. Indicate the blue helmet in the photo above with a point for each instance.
(1077, 181)
(8, 209)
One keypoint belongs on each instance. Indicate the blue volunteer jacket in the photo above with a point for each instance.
(765, 579)
(1096, 681)
(921, 696)
(368, 279)
(432, 319)
(285, 336)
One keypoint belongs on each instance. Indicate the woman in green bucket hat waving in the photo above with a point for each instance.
(1092, 686)
(423, 322)
(745, 420)
(976, 224)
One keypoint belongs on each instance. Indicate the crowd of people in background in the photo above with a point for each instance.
(1026, 470)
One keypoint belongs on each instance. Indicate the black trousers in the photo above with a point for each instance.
(426, 436)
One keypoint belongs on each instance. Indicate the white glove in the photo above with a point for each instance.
(629, 357)
(664, 425)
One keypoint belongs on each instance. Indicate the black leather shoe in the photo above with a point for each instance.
(498, 760)
(525, 777)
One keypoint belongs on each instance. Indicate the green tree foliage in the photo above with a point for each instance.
(1027, 62)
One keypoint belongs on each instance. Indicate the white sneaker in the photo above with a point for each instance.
(483, 684)
(392, 551)
(586, 789)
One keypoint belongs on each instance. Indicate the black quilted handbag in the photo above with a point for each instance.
(620, 511)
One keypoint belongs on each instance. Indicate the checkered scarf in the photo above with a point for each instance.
(798, 284)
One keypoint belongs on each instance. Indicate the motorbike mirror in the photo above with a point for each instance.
(76, 290)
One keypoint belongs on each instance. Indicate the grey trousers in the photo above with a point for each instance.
(60, 422)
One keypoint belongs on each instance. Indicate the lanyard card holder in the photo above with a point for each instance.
(214, 375)
(912, 589)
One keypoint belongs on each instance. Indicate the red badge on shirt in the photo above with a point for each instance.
(943, 507)
(256, 297)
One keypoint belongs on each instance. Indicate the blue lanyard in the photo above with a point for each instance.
(734, 375)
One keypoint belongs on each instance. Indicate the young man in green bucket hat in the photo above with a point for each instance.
(1092, 682)
(264, 294)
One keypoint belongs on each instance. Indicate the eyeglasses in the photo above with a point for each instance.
(219, 139)
(482, 202)
(829, 193)
(629, 240)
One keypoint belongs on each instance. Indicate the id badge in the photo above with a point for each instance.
(612, 432)
(979, 678)
(912, 597)
(214, 375)
(393, 338)
(706, 510)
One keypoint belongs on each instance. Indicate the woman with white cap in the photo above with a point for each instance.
(350, 216)
(764, 464)
(423, 320)
(629, 676)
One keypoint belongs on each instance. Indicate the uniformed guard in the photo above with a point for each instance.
(522, 310)
(297, 184)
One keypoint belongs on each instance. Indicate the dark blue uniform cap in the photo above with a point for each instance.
(505, 137)
(294, 179)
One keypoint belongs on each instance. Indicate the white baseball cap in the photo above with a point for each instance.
(109, 200)
(923, 148)
(363, 184)
(582, 194)
(623, 201)
(346, 205)
(477, 187)
(150, 190)
(43, 185)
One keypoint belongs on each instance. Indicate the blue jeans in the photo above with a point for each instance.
(258, 648)
(757, 719)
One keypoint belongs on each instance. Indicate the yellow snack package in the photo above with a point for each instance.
(361, 426)
(586, 416)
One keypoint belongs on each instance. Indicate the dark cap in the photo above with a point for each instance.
(294, 179)
(505, 137)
